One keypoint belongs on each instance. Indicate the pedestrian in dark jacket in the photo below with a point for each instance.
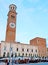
(8, 63)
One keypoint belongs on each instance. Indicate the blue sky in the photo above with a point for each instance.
(32, 19)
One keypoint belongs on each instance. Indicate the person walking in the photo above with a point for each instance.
(8, 62)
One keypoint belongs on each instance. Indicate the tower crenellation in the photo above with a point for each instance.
(12, 7)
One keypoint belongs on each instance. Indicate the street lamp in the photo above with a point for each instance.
(11, 54)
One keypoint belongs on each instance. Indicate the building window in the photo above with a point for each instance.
(26, 54)
(22, 54)
(35, 55)
(8, 54)
(12, 16)
(17, 49)
(11, 7)
(12, 55)
(19, 54)
(32, 50)
(15, 54)
(11, 49)
(22, 49)
(4, 54)
(47, 50)
(27, 50)
(4, 47)
(35, 50)
(29, 55)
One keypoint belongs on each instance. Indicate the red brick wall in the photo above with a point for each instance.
(47, 52)
(41, 43)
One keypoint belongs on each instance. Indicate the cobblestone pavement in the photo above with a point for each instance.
(46, 63)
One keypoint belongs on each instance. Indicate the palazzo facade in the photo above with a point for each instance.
(35, 48)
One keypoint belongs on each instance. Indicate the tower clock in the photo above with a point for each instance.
(11, 24)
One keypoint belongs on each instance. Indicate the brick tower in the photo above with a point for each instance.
(11, 24)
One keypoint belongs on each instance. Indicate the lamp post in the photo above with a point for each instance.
(11, 51)
(10, 54)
